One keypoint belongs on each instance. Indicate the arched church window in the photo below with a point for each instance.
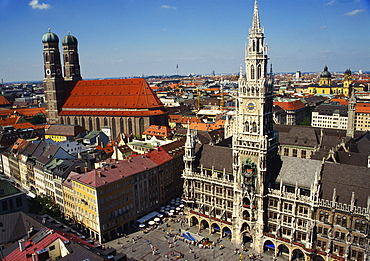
(254, 127)
(114, 133)
(47, 57)
(61, 120)
(97, 123)
(66, 58)
(90, 124)
(121, 126)
(76, 121)
(258, 46)
(252, 72)
(246, 126)
(141, 125)
(129, 126)
(259, 72)
(253, 46)
(105, 122)
(82, 122)
(68, 121)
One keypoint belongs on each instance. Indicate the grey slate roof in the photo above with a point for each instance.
(346, 179)
(217, 157)
(298, 171)
(15, 226)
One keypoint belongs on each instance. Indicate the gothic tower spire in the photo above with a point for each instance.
(254, 139)
(256, 26)
(351, 115)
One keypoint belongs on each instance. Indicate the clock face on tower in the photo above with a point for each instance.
(250, 106)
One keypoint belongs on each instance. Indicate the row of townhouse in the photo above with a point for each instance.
(105, 202)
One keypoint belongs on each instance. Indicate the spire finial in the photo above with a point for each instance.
(256, 17)
(49, 29)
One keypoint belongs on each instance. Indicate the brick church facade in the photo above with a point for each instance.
(119, 105)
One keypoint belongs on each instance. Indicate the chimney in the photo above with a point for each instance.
(34, 258)
(85, 169)
(22, 243)
(99, 173)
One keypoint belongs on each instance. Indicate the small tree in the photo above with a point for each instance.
(38, 119)
(306, 121)
(44, 205)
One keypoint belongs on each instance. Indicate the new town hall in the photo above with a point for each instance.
(315, 208)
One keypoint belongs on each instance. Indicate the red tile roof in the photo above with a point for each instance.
(27, 112)
(124, 168)
(113, 93)
(155, 130)
(114, 113)
(4, 101)
(290, 106)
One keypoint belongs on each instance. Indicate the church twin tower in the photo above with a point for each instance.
(54, 82)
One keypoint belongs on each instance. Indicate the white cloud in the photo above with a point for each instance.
(354, 12)
(168, 7)
(35, 5)
(331, 2)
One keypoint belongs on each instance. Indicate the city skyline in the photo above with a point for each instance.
(130, 38)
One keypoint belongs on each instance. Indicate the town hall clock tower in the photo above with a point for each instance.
(255, 142)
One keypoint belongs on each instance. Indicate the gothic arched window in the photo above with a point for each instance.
(105, 122)
(259, 72)
(97, 123)
(90, 124)
(114, 128)
(253, 46)
(68, 121)
(246, 126)
(129, 126)
(76, 121)
(252, 72)
(141, 125)
(121, 126)
(82, 122)
(254, 127)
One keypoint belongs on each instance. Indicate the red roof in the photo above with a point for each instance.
(4, 101)
(27, 112)
(113, 93)
(114, 113)
(155, 130)
(290, 106)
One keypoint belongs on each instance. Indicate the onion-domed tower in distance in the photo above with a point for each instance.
(325, 77)
(53, 80)
(70, 57)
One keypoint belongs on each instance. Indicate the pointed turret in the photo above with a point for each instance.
(351, 115)
(256, 26)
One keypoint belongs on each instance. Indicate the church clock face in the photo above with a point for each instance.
(250, 106)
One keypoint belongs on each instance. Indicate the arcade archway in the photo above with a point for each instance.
(298, 255)
(283, 250)
(268, 246)
(204, 224)
(226, 232)
(193, 221)
(215, 228)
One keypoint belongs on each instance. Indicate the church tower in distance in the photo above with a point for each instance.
(255, 142)
(53, 79)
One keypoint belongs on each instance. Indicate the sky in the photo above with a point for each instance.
(127, 38)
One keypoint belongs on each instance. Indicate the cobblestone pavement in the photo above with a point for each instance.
(158, 239)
